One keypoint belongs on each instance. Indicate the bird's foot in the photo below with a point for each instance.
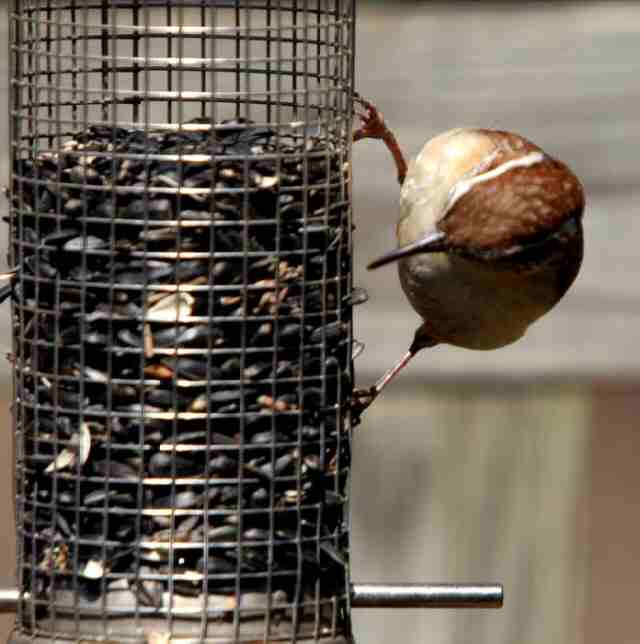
(373, 125)
(361, 399)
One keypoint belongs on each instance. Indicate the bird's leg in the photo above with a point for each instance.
(374, 127)
(362, 398)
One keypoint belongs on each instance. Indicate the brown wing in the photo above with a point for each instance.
(524, 204)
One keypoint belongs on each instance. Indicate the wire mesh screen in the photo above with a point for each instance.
(180, 228)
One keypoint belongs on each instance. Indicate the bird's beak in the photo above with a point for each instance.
(434, 243)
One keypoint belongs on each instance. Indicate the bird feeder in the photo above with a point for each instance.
(180, 224)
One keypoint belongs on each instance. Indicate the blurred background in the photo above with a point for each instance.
(519, 465)
(515, 465)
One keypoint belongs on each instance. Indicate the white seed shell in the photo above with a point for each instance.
(172, 308)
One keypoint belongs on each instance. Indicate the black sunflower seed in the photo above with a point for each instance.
(168, 440)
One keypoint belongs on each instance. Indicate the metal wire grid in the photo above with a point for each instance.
(180, 222)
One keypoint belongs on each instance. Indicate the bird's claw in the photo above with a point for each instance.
(361, 399)
(373, 125)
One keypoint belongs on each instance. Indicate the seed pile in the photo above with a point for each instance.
(182, 358)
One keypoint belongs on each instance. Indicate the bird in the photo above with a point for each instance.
(489, 236)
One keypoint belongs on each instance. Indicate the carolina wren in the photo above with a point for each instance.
(490, 237)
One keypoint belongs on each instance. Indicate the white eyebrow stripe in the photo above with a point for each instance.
(462, 187)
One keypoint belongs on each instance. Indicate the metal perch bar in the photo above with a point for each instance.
(8, 599)
(384, 596)
(426, 595)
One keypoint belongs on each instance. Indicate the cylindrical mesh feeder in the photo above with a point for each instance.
(180, 224)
